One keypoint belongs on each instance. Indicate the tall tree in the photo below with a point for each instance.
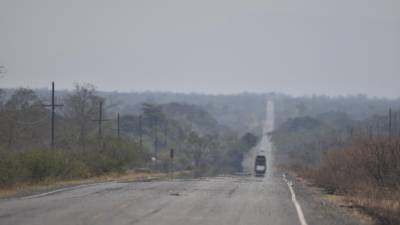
(153, 118)
(198, 150)
(80, 108)
(2, 94)
(23, 119)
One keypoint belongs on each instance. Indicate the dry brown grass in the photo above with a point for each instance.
(364, 176)
(345, 202)
(386, 211)
(370, 205)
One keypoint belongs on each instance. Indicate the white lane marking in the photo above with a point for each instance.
(62, 189)
(46, 193)
(300, 214)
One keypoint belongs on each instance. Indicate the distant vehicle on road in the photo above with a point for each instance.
(260, 166)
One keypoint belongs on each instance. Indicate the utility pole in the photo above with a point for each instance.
(140, 131)
(395, 125)
(118, 126)
(156, 140)
(390, 122)
(171, 156)
(100, 120)
(165, 134)
(53, 107)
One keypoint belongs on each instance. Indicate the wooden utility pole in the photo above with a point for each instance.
(118, 126)
(165, 134)
(155, 140)
(140, 131)
(53, 107)
(395, 128)
(390, 122)
(100, 120)
(171, 156)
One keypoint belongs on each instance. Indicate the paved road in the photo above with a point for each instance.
(220, 200)
(264, 145)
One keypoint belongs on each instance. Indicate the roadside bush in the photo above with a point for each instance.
(41, 164)
(76, 168)
(110, 155)
(9, 168)
(99, 157)
(364, 163)
(368, 171)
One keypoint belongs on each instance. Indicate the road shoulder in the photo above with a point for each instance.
(324, 209)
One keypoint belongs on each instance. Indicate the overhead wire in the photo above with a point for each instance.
(27, 123)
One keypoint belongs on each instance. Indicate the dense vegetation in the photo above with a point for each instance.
(357, 107)
(240, 112)
(357, 158)
(83, 148)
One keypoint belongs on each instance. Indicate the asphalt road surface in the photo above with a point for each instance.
(218, 200)
(221, 200)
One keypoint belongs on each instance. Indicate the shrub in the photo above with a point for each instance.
(42, 164)
(367, 171)
(111, 155)
(9, 168)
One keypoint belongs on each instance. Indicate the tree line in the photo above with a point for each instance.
(80, 150)
(356, 158)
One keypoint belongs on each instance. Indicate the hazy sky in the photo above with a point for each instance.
(213, 46)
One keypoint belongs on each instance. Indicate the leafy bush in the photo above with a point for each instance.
(41, 164)
(9, 168)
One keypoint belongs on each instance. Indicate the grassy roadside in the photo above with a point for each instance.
(378, 211)
(51, 184)
(368, 207)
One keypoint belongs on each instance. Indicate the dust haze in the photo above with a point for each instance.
(295, 47)
(189, 112)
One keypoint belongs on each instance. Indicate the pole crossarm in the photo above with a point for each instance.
(100, 120)
(53, 106)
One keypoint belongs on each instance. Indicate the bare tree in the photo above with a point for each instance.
(154, 118)
(198, 150)
(80, 108)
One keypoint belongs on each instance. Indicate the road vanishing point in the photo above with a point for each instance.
(221, 200)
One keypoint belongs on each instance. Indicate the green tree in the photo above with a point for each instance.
(23, 119)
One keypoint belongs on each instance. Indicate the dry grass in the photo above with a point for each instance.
(386, 211)
(370, 204)
(345, 202)
(55, 184)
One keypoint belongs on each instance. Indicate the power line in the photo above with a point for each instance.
(118, 126)
(140, 132)
(390, 122)
(53, 107)
(100, 120)
(27, 123)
